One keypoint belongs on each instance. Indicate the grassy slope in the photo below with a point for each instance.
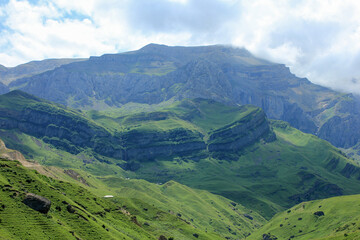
(340, 220)
(95, 217)
(198, 114)
(265, 175)
(206, 211)
(200, 209)
(20, 222)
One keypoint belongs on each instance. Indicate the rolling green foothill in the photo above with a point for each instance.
(332, 218)
(75, 212)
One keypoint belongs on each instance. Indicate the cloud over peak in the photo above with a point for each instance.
(317, 39)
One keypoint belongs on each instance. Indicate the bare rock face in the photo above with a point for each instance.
(38, 203)
(10, 154)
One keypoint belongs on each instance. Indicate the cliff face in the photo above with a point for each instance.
(240, 134)
(52, 125)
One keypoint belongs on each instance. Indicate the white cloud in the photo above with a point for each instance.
(316, 38)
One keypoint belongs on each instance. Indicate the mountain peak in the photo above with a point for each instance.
(3, 68)
(153, 47)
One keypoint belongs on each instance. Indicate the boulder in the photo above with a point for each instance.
(38, 203)
(319, 213)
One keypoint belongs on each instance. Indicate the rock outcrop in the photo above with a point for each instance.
(10, 154)
(38, 203)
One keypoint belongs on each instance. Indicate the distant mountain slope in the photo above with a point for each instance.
(158, 73)
(8, 75)
(3, 88)
(333, 218)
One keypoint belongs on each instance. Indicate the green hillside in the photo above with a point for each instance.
(233, 151)
(332, 218)
(140, 210)
(171, 209)
(201, 209)
(74, 212)
(265, 176)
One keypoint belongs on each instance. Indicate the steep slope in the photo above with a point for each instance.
(73, 211)
(333, 218)
(7, 75)
(64, 127)
(201, 209)
(158, 73)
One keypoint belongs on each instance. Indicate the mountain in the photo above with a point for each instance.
(8, 75)
(233, 151)
(3, 88)
(157, 73)
(333, 218)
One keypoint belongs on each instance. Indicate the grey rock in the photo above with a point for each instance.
(38, 203)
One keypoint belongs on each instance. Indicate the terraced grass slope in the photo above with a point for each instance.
(77, 213)
(206, 211)
(74, 211)
(332, 218)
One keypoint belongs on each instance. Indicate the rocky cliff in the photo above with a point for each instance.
(241, 133)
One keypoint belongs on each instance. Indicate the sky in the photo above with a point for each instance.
(317, 39)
